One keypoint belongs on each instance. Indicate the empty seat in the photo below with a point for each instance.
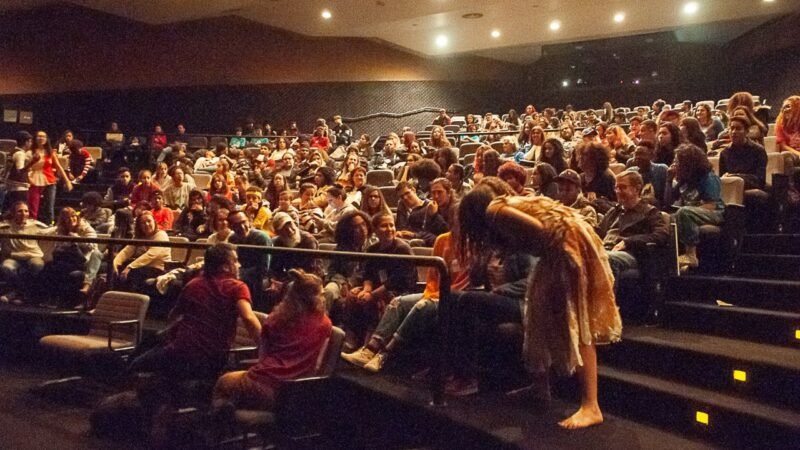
(468, 159)
(96, 152)
(179, 254)
(380, 177)
(196, 142)
(116, 326)
(202, 180)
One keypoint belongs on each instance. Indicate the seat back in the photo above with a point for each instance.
(468, 159)
(770, 144)
(714, 160)
(327, 246)
(95, 152)
(212, 143)
(771, 131)
(380, 177)
(8, 145)
(196, 142)
(469, 148)
(732, 190)
(498, 146)
(195, 253)
(452, 128)
(116, 306)
(330, 354)
(390, 195)
(774, 164)
(179, 254)
(422, 271)
(202, 180)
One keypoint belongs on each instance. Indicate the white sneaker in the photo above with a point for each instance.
(377, 362)
(359, 357)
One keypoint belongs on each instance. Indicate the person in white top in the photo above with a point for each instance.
(24, 258)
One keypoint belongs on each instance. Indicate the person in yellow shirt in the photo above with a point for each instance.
(259, 215)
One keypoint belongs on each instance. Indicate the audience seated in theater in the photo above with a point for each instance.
(237, 141)
(144, 189)
(697, 193)
(351, 161)
(553, 154)
(417, 219)
(510, 148)
(387, 158)
(341, 132)
(320, 139)
(628, 227)
(254, 262)
(286, 167)
(192, 217)
(80, 162)
(442, 119)
(337, 208)
(163, 215)
(62, 146)
(490, 164)
(648, 131)
(278, 184)
(438, 138)
(206, 163)
(457, 177)
(669, 116)
(443, 202)
(202, 325)
(787, 129)
(531, 149)
(410, 319)
(134, 264)
(382, 280)
(569, 193)
(75, 264)
(692, 133)
(285, 206)
(543, 181)
(23, 258)
(667, 141)
(352, 234)
(654, 175)
(161, 175)
(356, 185)
(516, 177)
(621, 148)
(568, 143)
(17, 182)
(635, 125)
(743, 158)
(289, 235)
(743, 105)
(93, 212)
(710, 124)
(422, 173)
(373, 202)
(597, 180)
(324, 180)
(220, 230)
(218, 186)
(498, 281)
(292, 338)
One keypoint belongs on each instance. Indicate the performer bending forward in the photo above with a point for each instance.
(570, 305)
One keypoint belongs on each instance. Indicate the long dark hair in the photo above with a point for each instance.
(491, 163)
(692, 165)
(475, 232)
(694, 134)
(344, 235)
(557, 160)
(302, 297)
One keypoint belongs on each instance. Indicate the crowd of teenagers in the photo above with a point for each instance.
(532, 222)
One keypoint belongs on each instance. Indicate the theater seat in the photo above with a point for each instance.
(291, 421)
(115, 327)
(719, 245)
(380, 177)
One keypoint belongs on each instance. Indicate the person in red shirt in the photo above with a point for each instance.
(202, 324)
(144, 189)
(292, 338)
(163, 215)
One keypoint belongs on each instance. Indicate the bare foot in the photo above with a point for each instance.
(583, 418)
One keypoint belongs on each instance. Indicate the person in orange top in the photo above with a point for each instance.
(163, 215)
(412, 316)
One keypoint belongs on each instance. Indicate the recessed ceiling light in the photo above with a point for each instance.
(769, 1)
(555, 25)
(565, 83)
(326, 14)
(691, 8)
(619, 17)
(495, 34)
(441, 41)
(472, 16)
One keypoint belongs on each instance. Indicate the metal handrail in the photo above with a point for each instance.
(443, 316)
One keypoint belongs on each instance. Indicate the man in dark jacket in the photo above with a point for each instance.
(744, 158)
(631, 225)
(417, 218)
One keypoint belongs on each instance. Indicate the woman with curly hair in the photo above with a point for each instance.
(356, 184)
(697, 193)
(438, 138)
(787, 129)
(620, 146)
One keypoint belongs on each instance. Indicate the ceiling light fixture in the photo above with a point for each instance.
(565, 83)
(441, 41)
(326, 14)
(619, 17)
(555, 25)
(495, 34)
(472, 16)
(691, 8)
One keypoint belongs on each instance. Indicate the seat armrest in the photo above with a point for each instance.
(242, 354)
(117, 323)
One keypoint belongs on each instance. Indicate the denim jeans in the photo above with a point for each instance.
(406, 318)
(47, 207)
(20, 273)
(690, 218)
(93, 265)
(621, 261)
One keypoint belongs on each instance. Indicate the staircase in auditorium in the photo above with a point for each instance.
(726, 362)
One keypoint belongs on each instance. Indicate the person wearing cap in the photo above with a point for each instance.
(628, 227)
(17, 176)
(590, 135)
(569, 193)
(289, 235)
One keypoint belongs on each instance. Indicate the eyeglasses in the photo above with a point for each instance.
(375, 196)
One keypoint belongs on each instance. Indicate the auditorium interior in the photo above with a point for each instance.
(326, 159)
